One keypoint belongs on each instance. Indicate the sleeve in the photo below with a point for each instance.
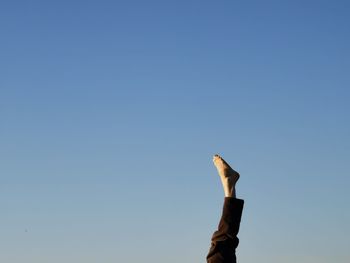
(224, 241)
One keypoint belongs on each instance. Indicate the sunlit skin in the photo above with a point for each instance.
(228, 176)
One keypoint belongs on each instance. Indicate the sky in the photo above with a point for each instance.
(110, 112)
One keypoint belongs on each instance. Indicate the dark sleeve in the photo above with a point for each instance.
(224, 241)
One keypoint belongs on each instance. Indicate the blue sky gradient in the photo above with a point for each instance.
(111, 111)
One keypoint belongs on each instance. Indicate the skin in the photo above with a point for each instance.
(228, 176)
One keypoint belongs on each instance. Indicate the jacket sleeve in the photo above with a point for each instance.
(224, 241)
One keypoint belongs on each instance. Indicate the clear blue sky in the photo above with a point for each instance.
(111, 111)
